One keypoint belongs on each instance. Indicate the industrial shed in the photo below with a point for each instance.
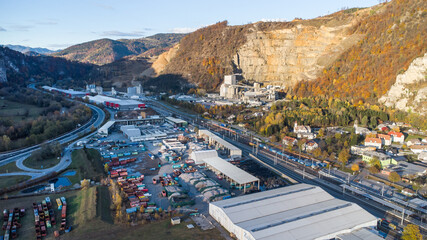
(176, 121)
(299, 211)
(232, 150)
(199, 156)
(67, 93)
(115, 103)
(130, 131)
(230, 172)
(104, 130)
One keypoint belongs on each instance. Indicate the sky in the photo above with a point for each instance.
(57, 24)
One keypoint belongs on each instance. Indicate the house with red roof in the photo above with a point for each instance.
(385, 139)
(373, 142)
(397, 137)
(289, 141)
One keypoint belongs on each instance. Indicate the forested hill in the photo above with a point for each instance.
(394, 35)
(353, 54)
(21, 68)
(104, 51)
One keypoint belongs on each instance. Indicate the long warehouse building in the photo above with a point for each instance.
(299, 211)
(115, 103)
(232, 150)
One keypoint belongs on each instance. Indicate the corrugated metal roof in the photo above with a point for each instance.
(107, 125)
(231, 171)
(361, 234)
(219, 140)
(300, 211)
(199, 156)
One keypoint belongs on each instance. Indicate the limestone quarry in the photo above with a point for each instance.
(409, 92)
(286, 56)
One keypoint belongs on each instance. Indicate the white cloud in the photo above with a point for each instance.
(2, 29)
(21, 28)
(183, 30)
(122, 34)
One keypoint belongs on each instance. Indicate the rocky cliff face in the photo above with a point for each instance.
(286, 56)
(409, 92)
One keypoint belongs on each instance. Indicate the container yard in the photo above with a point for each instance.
(11, 222)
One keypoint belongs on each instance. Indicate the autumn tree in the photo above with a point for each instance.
(355, 167)
(85, 184)
(106, 168)
(411, 232)
(343, 157)
(317, 152)
(394, 177)
(375, 162)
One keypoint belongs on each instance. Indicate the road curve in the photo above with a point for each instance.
(96, 120)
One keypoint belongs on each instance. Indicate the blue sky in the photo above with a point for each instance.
(57, 24)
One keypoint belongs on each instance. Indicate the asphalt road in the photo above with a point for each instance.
(96, 120)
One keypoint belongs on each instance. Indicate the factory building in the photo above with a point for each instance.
(176, 122)
(66, 93)
(233, 151)
(299, 211)
(115, 103)
(105, 129)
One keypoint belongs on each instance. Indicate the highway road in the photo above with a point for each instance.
(96, 120)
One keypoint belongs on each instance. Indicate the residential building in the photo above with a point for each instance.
(308, 136)
(359, 150)
(384, 159)
(385, 139)
(397, 137)
(360, 130)
(414, 141)
(289, 141)
(418, 148)
(301, 128)
(310, 146)
(373, 142)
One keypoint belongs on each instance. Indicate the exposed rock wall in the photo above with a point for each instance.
(409, 92)
(164, 59)
(286, 56)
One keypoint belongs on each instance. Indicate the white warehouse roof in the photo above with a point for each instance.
(233, 149)
(100, 99)
(106, 127)
(299, 211)
(200, 156)
(175, 120)
(231, 171)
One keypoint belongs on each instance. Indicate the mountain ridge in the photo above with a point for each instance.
(25, 49)
(105, 50)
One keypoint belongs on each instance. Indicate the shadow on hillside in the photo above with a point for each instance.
(167, 83)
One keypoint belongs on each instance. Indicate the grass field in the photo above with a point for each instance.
(27, 230)
(10, 167)
(8, 181)
(16, 111)
(412, 136)
(87, 164)
(46, 163)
